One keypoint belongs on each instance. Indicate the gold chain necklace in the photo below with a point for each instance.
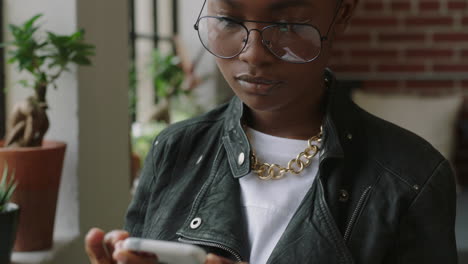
(267, 171)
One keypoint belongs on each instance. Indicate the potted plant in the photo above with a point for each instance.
(9, 213)
(173, 75)
(38, 162)
(173, 81)
(168, 77)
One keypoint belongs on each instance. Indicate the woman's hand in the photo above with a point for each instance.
(107, 249)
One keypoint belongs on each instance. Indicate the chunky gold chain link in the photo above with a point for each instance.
(267, 171)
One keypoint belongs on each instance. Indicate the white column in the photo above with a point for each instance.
(103, 170)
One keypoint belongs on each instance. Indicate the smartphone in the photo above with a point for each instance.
(167, 252)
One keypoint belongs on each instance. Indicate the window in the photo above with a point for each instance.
(153, 24)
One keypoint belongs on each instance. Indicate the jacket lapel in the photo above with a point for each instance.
(218, 207)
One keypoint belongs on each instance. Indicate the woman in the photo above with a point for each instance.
(290, 171)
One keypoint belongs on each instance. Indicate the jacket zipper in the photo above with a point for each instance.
(211, 244)
(356, 212)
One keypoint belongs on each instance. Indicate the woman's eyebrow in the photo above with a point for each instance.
(231, 3)
(290, 3)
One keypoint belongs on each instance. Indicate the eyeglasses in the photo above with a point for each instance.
(226, 38)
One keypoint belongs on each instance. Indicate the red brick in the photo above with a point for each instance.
(464, 53)
(457, 5)
(401, 6)
(429, 6)
(429, 21)
(374, 21)
(373, 6)
(401, 68)
(429, 53)
(351, 68)
(451, 68)
(465, 21)
(338, 53)
(451, 37)
(430, 84)
(401, 37)
(353, 38)
(465, 85)
(374, 53)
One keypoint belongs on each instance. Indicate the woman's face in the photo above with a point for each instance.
(260, 79)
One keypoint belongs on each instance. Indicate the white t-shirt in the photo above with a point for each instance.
(270, 205)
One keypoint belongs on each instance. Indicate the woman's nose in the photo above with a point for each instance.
(255, 52)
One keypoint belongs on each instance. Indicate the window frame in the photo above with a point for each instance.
(155, 36)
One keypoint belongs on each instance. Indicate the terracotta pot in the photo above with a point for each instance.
(134, 167)
(38, 171)
(8, 225)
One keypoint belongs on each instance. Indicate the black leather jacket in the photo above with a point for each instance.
(382, 194)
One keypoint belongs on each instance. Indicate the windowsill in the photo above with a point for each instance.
(46, 256)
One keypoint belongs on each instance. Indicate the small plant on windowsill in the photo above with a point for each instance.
(8, 215)
(45, 58)
(168, 78)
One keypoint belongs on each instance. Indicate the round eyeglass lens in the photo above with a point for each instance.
(222, 37)
(293, 42)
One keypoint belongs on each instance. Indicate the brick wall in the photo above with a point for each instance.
(410, 46)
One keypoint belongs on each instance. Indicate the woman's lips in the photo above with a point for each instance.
(256, 84)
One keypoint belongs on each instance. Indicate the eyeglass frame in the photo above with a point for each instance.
(273, 24)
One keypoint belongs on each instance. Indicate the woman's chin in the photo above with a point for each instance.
(260, 102)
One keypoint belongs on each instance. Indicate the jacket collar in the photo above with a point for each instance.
(338, 128)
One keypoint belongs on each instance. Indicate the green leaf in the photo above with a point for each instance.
(7, 186)
(10, 191)
(12, 60)
(81, 60)
(4, 178)
(28, 24)
(56, 52)
(24, 83)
